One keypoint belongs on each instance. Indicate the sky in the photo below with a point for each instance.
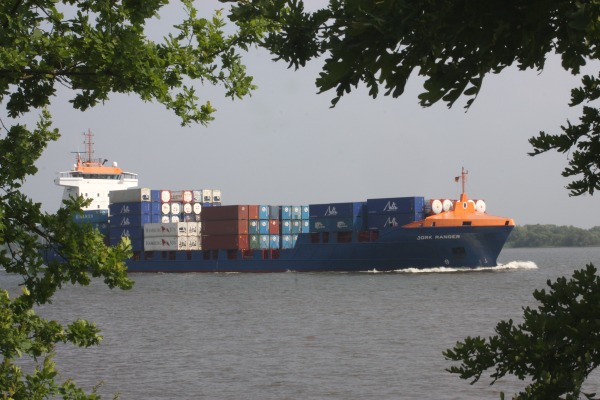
(284, 145)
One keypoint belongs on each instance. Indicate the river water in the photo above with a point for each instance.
(300, 335)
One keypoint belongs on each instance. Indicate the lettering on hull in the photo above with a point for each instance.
(437, 237)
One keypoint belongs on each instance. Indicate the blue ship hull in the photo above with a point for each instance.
(426, 247)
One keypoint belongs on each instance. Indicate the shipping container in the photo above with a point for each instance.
(137, 244)
(134, 232)
(166, 243)
(274, 227)
(176, 208)
(305, 226)
(130, 208)
(216, 193)
(225, 213)
(286, 226)
(340, 210)
(253, 227)
(263, 212)
(134, 195)
(296, 212)
(217, 242)
(187, 208)
(197, 196)
(264, 241)
(197, 208)
(263, 226)
(161, 229)
(91, 216)
(207, 195)
(285, 212)
(396, 205)
(254, 241)
(320, 224)
(165, 196)
(165, 208)
(274, 212)
(305, 212)
(225, 227)
(165, 219)
(252, 212)
(194, 243)
(286, 242)
(274, 242)
(389, 221)
(130, 220)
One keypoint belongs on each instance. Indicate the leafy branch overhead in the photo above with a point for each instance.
(99, 47)
(452, 44)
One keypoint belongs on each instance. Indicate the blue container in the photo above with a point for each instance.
(154, 218)
(263, 212)
(285, 212)
(264, 241)
(296, 212)
(337, 210)
(305, 226)
(319, 224)
(274, 242)
(254, 227)
(155, 196)
(130, 220)
(274, 212)
(134, 232)
(136, 244)
(305, 212)
(91, 216)
(263, 226)
(136, 208)
(395, 205)
(297, 226)
(286, 242)
(391, 221)
(285, 227)
(155, 208)
(341, 224)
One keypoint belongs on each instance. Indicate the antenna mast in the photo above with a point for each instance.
(88, 142)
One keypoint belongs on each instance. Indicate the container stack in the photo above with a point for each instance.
(172, 236)
(337, 217)
(226, 227)
(186, 205)
(129, 210)
(393, 212)
(97, 218)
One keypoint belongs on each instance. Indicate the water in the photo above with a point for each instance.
(300, 336)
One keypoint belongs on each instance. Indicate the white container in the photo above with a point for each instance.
(207, 195)
(182, 228)
(174, 218)
(187, 196)
(165, 243)
(134, 195)
(194, 243)
(165, 219)
(192, 229)
(158, 229)
(165, 208)
(187, 208)
(197, 196)
(175, 208)
(165, 196)
(216, 196)
(197, 208)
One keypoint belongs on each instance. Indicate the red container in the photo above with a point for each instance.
(224, 212)
(253, 212)
(274, 227)
(225, 227)
(225, 242)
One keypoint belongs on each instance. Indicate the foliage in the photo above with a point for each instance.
(553, 236)
(555, 348)
(94, 48)
(453, 45)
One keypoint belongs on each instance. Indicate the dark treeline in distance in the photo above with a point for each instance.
(553, 236)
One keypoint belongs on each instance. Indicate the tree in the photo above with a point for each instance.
(454, 45)
(94, 48)
(555, 348)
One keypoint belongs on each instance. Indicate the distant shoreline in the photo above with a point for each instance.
(552, 236)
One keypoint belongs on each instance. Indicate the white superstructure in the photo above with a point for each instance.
(93, 180)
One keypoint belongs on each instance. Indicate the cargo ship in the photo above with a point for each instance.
(194, 231)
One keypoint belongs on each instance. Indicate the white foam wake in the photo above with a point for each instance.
(513, 265)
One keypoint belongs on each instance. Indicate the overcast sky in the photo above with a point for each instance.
(285, 145)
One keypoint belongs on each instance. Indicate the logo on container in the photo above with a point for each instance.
(342, 225)
(125, 209)
(165, 243)
(319, 225)
(391, 222)
(125, 233)
(331, 211)
(390, 206)
(125, 222)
